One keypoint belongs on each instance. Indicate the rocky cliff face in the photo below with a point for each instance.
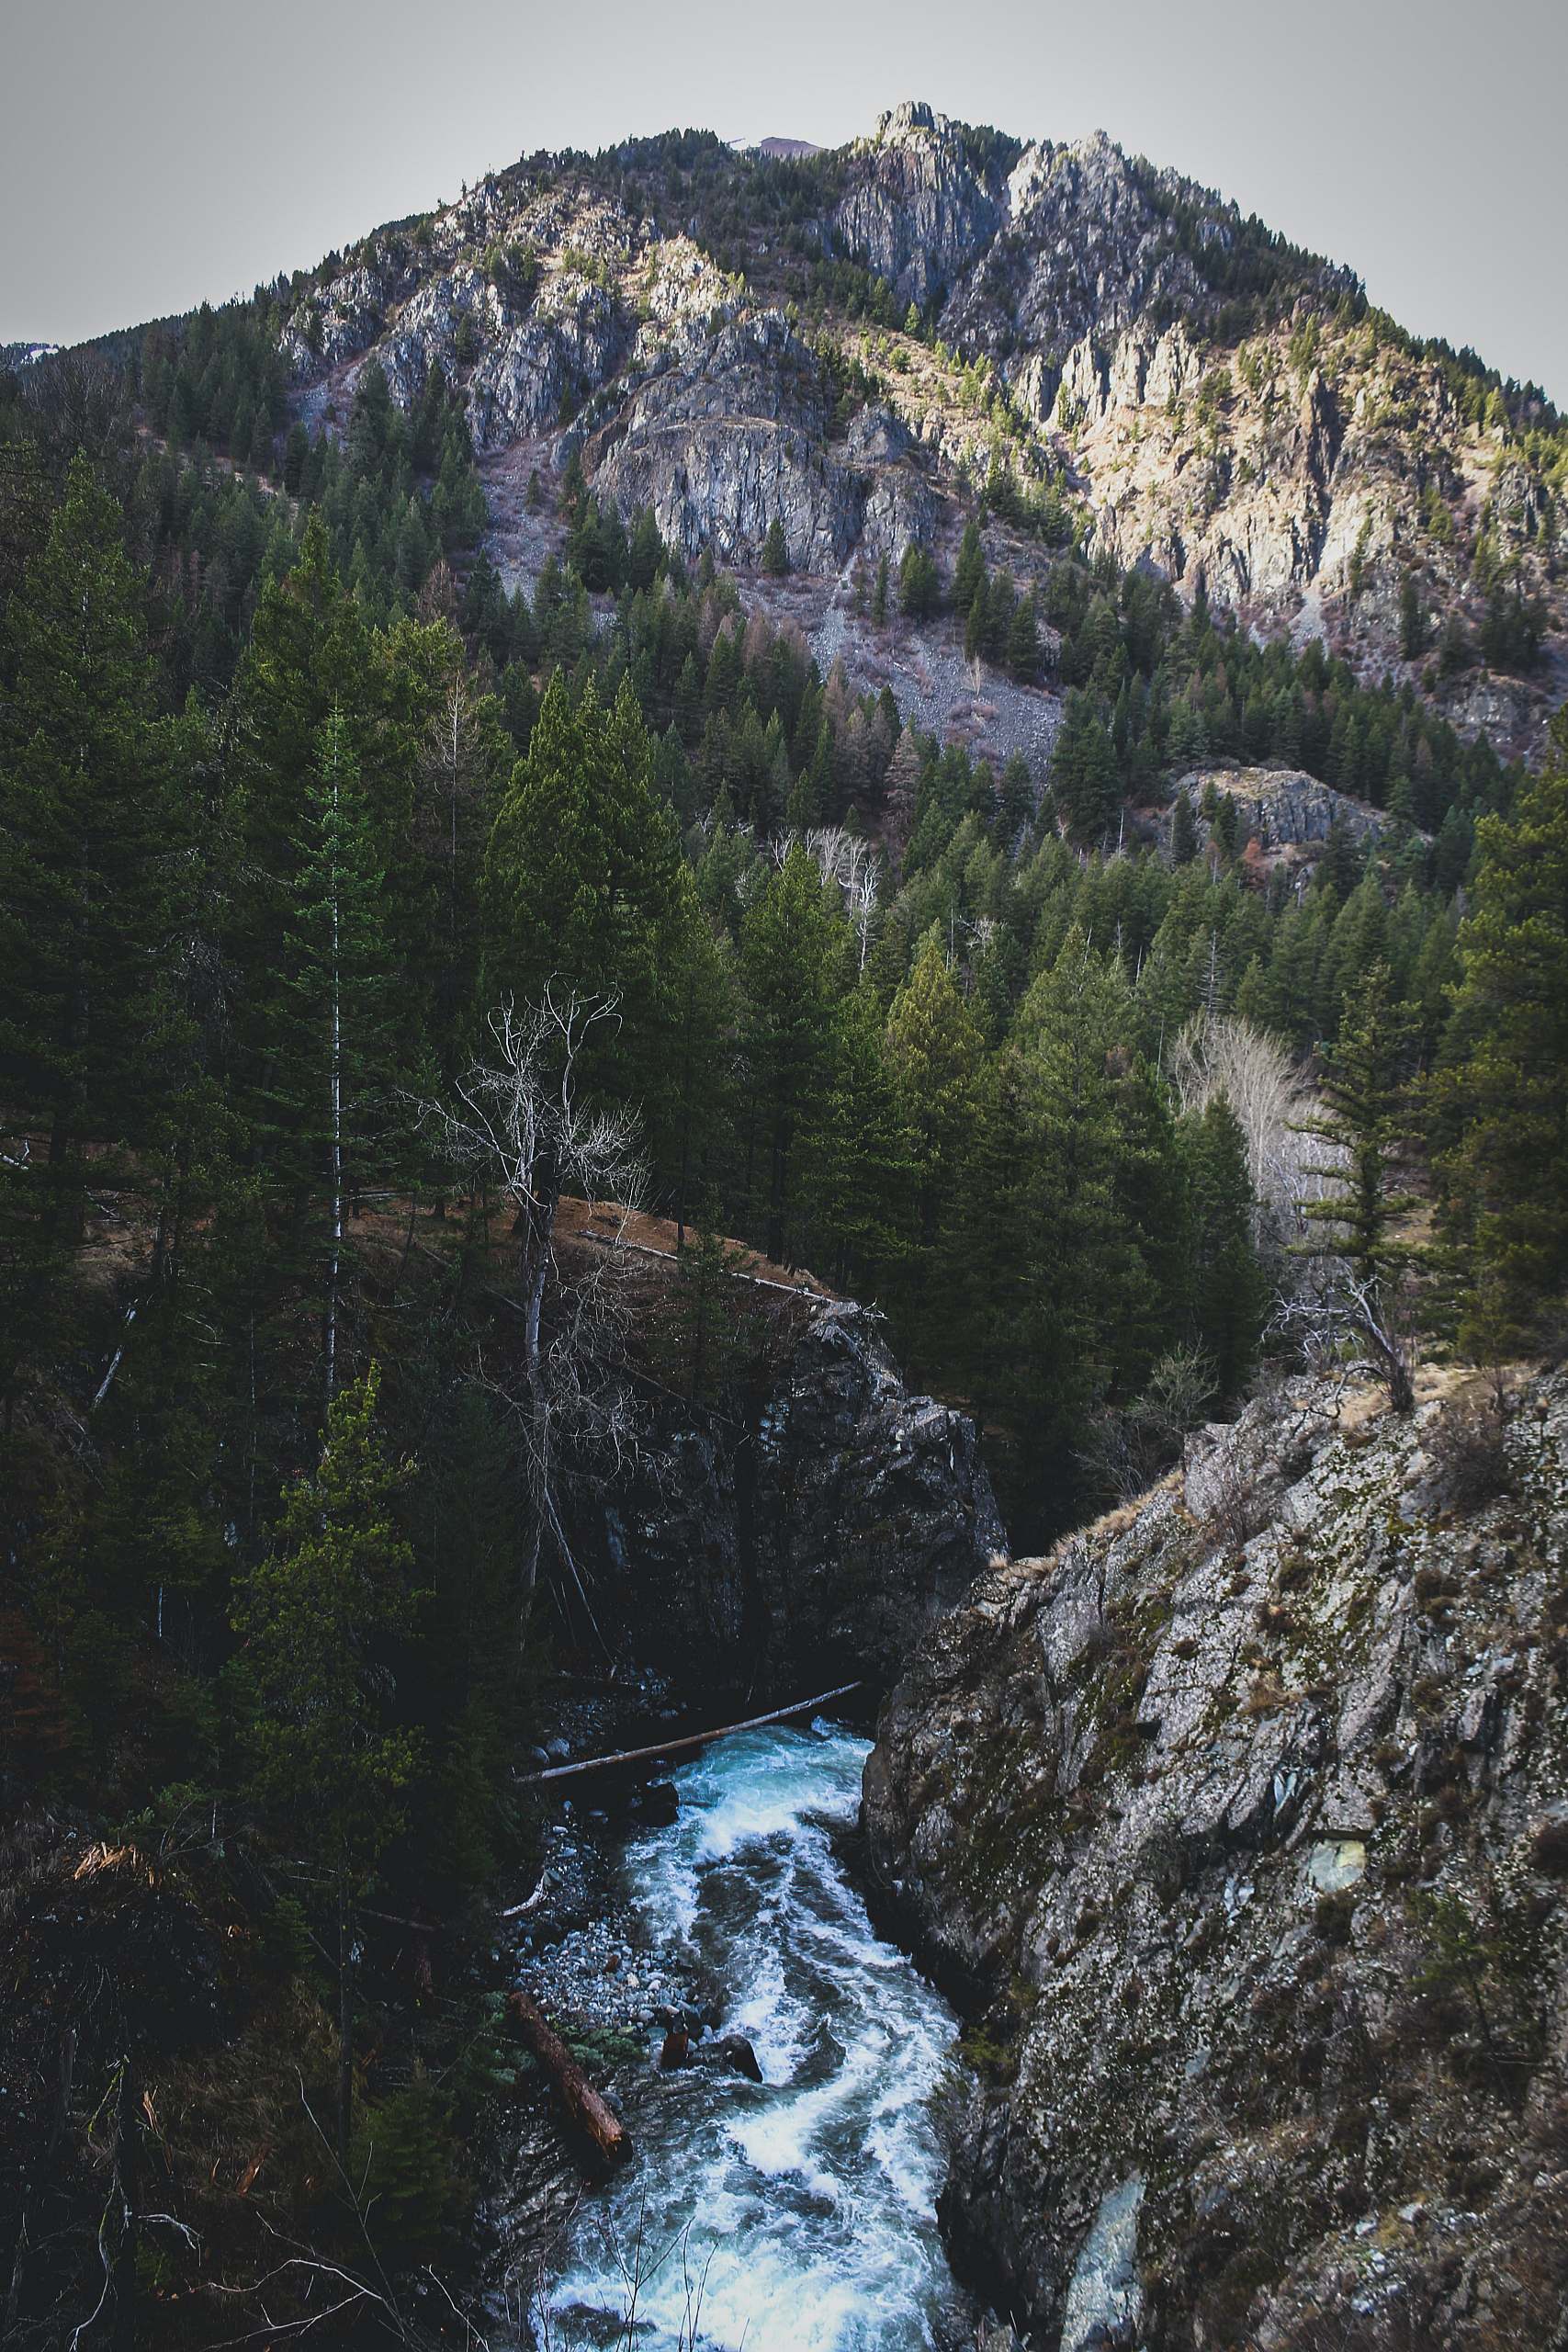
(1243, 1820)
(727, 438)
(1287, 813)
(917, 209)
(803, 1535)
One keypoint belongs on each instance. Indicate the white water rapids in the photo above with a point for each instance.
(798, 2214)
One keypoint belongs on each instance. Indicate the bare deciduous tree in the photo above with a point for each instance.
(1339, 1308)
(850, 864)
(1258, 1075)
(519, 1122)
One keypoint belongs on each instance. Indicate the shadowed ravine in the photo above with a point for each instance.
(800, 2210)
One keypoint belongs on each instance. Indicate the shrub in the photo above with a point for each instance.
(1469, 1447)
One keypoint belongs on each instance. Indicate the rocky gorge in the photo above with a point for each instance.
(1236, 1829)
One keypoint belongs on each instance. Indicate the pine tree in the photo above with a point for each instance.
(1083, 769)
(919, 592)
(1500, 1095)
(1363, 1119)
(334, 1089)
(1023, 642)
(1083, 1309)
(1227, 1289)
(91, 841)
(969, 571)
(581, 885)
(935, 1049)
(315, 1616)
(857, 1181)
(1411, 619)
(775, 553)
(700, 1024)
(791, 945)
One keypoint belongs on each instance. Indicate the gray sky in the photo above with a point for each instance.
(155, 152)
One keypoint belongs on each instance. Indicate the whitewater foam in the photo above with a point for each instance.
(801, 2208)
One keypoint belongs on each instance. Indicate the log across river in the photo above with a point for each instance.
(799, 2212)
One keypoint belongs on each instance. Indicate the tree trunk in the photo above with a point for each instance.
(344, 2026)
(591, 2114)
(127, 2168)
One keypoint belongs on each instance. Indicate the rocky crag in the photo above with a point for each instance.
(1210, 401)
(805, 1532)
(1242, 1821)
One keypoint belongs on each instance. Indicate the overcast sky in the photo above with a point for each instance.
(156, 152)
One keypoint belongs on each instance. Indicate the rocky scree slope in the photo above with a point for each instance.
(1219, 405)
(1243, 1821)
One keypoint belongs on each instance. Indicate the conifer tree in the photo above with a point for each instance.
(1500, 1093)
(315, 1617)
(1363, 1119)
(1023, 642)
(969, 570)
(1227, 1291)
(792, 946)
(91, 852)
(935, 1049)
(334, 1088)
(581, 885)
(919, 590)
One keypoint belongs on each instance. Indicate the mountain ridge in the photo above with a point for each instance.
(1210, 401)
(868, 347)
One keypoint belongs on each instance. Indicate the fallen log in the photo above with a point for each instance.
(591, 2114)
(516, 1910)
(687, 1739)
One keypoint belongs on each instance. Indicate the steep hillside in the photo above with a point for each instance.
(848, 343)
(1244, 1819)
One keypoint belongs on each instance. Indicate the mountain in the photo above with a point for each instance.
(848, 343)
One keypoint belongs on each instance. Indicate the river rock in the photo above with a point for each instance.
(676, 2050)
(737, 2054)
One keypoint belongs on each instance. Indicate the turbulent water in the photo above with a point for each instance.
(798, 2214)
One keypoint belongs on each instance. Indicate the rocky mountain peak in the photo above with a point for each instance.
(908, 122)
(1209, 400)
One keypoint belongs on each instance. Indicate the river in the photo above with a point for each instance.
(797, 2214)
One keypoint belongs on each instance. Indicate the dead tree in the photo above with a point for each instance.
(519, 1122)
(1342, 1310)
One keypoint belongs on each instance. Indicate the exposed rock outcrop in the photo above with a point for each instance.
(1089, 248)
(1212, 403)
(814, 1529)
(917, 208)
(1285, 807)
(727, 441)
(1243, 1817)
